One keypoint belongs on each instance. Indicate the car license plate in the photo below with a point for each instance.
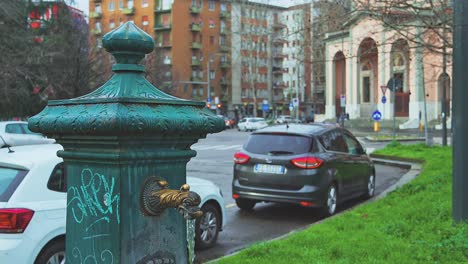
(267, 168)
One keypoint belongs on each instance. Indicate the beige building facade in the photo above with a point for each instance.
(367, 58)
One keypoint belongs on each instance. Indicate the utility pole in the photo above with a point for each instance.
(208, 80)
(460, 109)
(444, 77)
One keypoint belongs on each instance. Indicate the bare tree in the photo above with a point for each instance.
(44, 56)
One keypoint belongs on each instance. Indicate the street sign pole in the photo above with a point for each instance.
(460, 109)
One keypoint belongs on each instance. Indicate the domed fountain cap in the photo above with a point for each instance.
(128, 43)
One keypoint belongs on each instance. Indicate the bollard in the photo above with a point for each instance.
(376, 126)
(126, 147)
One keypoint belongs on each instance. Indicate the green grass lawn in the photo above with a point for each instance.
(411, 225)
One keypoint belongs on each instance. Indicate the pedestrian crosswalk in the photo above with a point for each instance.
(216, 147)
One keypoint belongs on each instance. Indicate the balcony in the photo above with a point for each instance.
(225, 64)
(165, 86)
(163, 45)
(95, 15)
(196, 45)
(277, 25)
(195, 27)
(161, 27)
(279, 41)
(224, 48)
(223, 31)
(196, 79)
(129, 11)
(96, 31)
(195, 10)
(225, 81)
(160, 10)
(223, 15)
(277, 70)
(196, 62)
(279, 85)
(279, 55)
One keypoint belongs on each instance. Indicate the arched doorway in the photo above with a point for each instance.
(339, 71)
(368, 76)
(400, 69)
(448, 97)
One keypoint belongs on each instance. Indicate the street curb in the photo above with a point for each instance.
(413, 166)
(399, 140)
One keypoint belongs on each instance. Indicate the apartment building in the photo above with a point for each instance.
(257, 58)
(191, 58)
(297, 65)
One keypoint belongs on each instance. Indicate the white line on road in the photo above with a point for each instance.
(231, 147)
(230, 205)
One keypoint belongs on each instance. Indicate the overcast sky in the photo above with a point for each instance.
(84, 4)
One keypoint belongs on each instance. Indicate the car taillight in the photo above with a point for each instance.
(307, 162)
(241, 158)
(14, 220)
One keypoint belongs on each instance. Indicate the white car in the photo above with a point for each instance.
(251, 123)
(33, 206)
(17, 133)
(283, 119)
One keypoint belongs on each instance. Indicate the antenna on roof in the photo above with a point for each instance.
(6, 145)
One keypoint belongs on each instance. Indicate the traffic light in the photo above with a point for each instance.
(218, 105)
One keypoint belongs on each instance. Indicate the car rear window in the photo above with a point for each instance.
(10, 178)
(278, 144)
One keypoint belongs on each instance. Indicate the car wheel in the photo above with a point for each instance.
(370, 186)
(54, 253)
(331, 202)
(245, 204)
(207, 227)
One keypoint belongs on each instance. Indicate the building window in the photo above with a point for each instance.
(212, 40)
(212, 75)
(120, 4)
(144, 3)
(97, 8)
(144, 21)
(111, 23)
(211, 5)
(97, 26)
(99, 42)
(223, 7)
(111, 5)
(129, 3)
(212, 23)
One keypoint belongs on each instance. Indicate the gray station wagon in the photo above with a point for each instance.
(314, 165)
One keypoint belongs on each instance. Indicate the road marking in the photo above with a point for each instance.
(231, 147)
(207, 147)
(230, 205)
(217, 147)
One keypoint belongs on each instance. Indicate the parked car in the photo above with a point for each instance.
(251, 124)
(228, 122)
(283, 119)
(33, 206)
(17, 133)
(314, 165)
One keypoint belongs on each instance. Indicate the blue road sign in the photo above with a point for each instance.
(384, 99)
(208, 99)
(376, 115)
(265, 107)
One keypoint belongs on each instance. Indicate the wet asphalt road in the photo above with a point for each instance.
(267, 220)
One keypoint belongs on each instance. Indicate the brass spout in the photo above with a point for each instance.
(155, 197)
